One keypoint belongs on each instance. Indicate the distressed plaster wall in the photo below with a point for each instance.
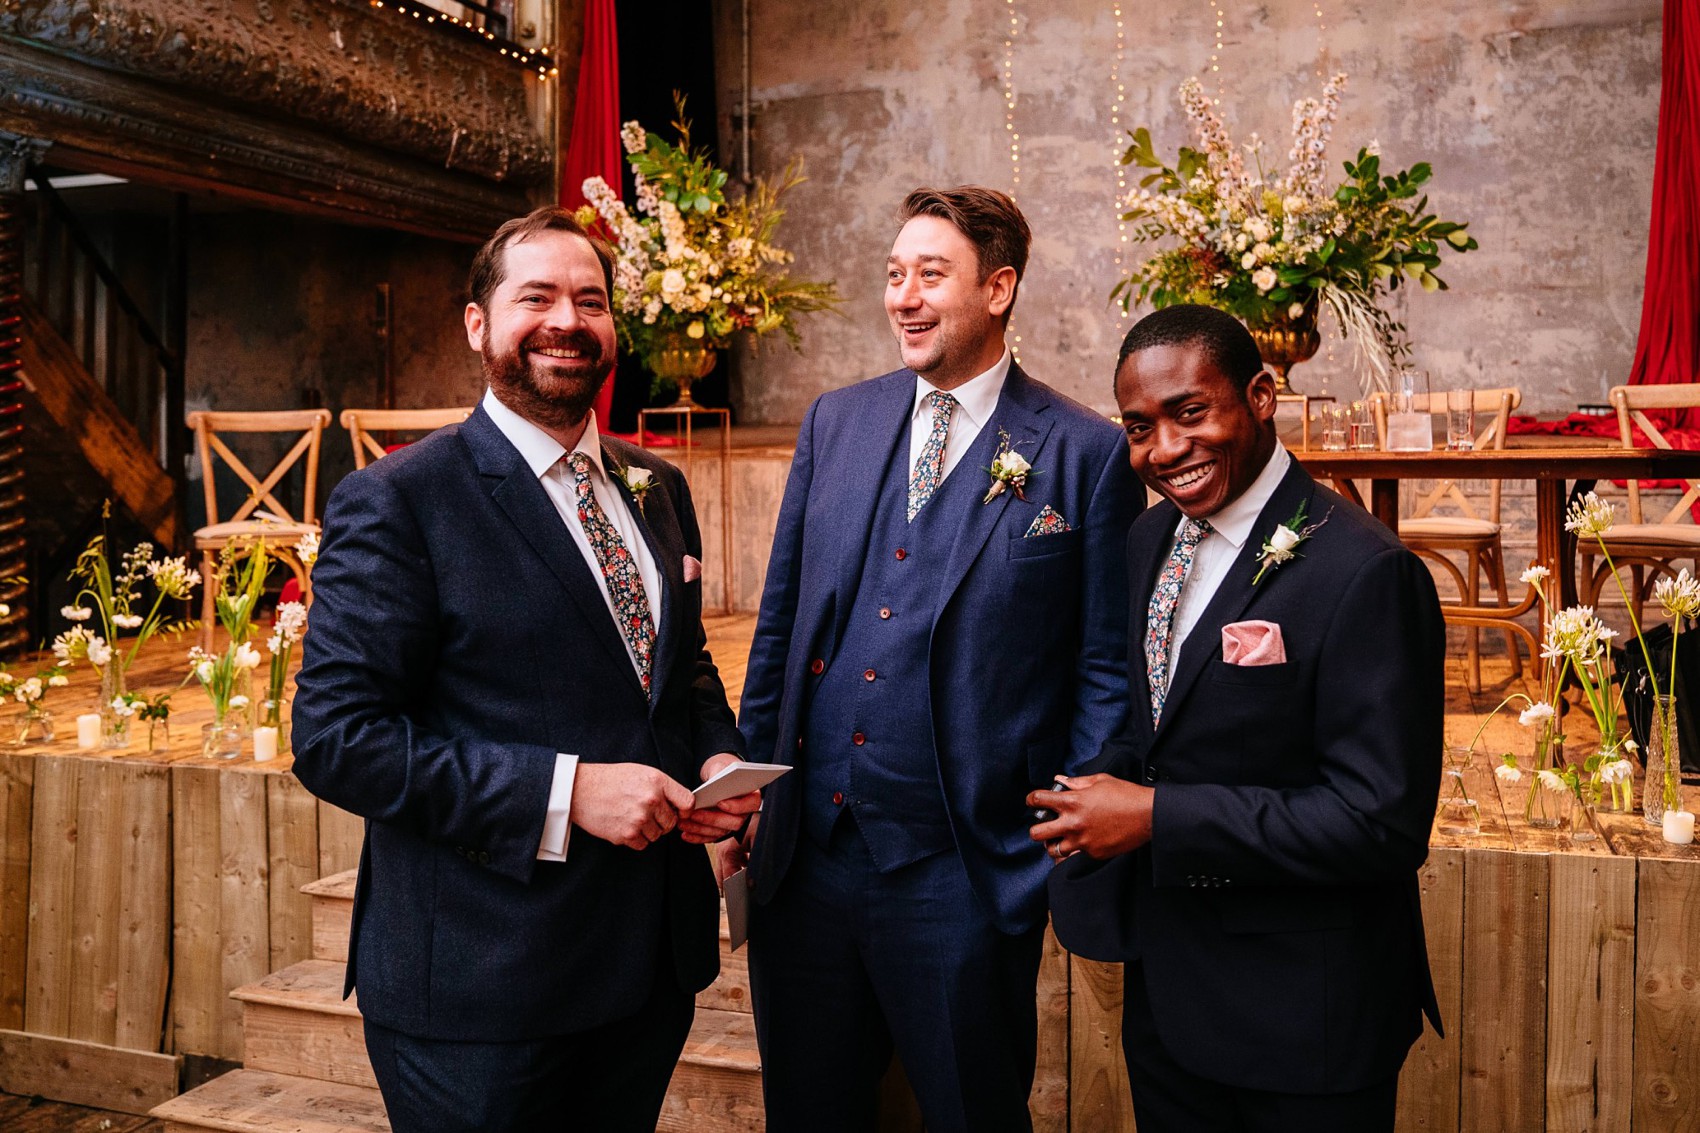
(1538, 115)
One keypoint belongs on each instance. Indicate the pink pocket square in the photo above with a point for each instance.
(1253, 643)
(693, 568)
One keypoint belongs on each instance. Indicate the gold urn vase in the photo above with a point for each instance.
(1285, 344)
(681, 359)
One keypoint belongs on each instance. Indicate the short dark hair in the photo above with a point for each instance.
(1222, 337)
(989, 219)
(489, 266)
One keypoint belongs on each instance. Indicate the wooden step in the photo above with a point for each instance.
(259, 1101)
(731, 991)
(333, 913)
(295, 1021)
(717, 1086)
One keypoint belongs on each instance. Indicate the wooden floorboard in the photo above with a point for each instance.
(35, 1115)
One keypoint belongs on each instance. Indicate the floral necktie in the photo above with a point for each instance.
(619, 569)
(929, 468)
(1160, 615)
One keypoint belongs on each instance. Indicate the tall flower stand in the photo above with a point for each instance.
(683, 415)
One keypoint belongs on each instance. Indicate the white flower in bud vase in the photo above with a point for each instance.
(307, 548)
(173, 577)
(126, 621)
(238, 701)
(30, 690)
(1536, 713)
(1552, 781)
(291, 622)
(1617, 771)
(76, 613)
(1678, 597)
(121, 706)
(247, 657)
(58, 680)
(1590, 517)
(1534, 576)
(204, 671)
(1631, 746)
(99, 652)
(1508, 772)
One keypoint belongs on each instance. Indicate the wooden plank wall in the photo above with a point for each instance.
(17, 800)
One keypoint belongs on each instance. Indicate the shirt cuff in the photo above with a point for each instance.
(556, 822)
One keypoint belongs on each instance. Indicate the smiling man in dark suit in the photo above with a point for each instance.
(933, 642)
(505, 644)
(1251, 843)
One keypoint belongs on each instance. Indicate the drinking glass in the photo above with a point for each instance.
(1333, 420)
(1460, 420)
(1361, 427)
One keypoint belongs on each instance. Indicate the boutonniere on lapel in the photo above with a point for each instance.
(1009, 470)
(1283, 542)
(638, 481)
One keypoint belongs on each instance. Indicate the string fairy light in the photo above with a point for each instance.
(1014, 134)
(1216, 50)
(525, 57)
(1118, 100)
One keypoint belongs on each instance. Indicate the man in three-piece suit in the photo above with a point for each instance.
(933, 642)
(506, 644)
(1251, 846)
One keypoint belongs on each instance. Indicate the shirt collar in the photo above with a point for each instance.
(976, 397)
(1234, 521)
(538, 449)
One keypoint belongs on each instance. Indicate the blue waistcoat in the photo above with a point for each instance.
(869, 732)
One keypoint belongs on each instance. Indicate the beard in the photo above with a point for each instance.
(554, 395)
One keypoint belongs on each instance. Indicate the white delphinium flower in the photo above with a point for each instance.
(1590, 517)
(1536, 713)
(672, 230)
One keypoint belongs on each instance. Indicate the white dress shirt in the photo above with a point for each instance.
(975, 400)
(1230, 528)
(543, 455)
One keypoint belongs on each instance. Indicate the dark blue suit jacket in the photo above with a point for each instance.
(457, 642)
(1026, 675)
(1275, 909)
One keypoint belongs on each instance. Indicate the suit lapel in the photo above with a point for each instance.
(518, 493)
(858, 483)
(1236, 592)
(658, 520)
(1019, 413)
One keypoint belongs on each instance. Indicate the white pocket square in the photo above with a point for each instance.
(693, 568)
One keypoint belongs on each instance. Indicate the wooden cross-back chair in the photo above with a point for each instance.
(1445, 520)
(261, 515)
(1647, 550)
(362, 423)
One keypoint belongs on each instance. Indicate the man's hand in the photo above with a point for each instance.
(711, 824)
(1099, 815)
(628, 804)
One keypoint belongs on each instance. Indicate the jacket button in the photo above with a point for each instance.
(799, 743)
(869, 675)
(838, 798)
(483, 857)
(858, 739)
(902, 554)
(817, 666)
(885, 613)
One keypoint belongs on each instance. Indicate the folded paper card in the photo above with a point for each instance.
(1253, 643)
(738, 779)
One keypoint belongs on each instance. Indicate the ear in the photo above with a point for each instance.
(1260, 395)
(1000, 291)
(475, 327)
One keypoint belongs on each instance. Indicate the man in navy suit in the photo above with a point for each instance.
(506, 644)
(1250, 847)
(933, 642)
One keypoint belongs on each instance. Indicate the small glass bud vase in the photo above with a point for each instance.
(1663, 753)
(159, 734)
(114, 725)
(272, 715)
(1546, 810)
(35, 726)
(222, 739)
(1582, 809)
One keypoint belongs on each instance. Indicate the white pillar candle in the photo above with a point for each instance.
(1679, 827)
(265, 744)
(88, 729)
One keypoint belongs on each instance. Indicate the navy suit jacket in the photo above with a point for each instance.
(1275, 910)
(457, 642)
(1025, 675)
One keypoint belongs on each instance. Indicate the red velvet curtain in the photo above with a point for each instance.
(593, 146)
(1667, 349)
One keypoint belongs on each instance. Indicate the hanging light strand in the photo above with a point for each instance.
(1014, 134)
(1118, 105)
(1216, 50)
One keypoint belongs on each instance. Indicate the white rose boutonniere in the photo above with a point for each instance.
(638, 482)
(1283, 543)
(1009, 470)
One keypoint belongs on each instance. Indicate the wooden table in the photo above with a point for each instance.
(1550, 469)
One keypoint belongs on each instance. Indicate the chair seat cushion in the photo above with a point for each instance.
(216, 535)
(1447, 526)
(1653, 534)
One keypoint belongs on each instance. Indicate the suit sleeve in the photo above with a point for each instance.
(764, 678)
(713, 729)
(367, 660)
(1378, 721)
(1101, 696)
